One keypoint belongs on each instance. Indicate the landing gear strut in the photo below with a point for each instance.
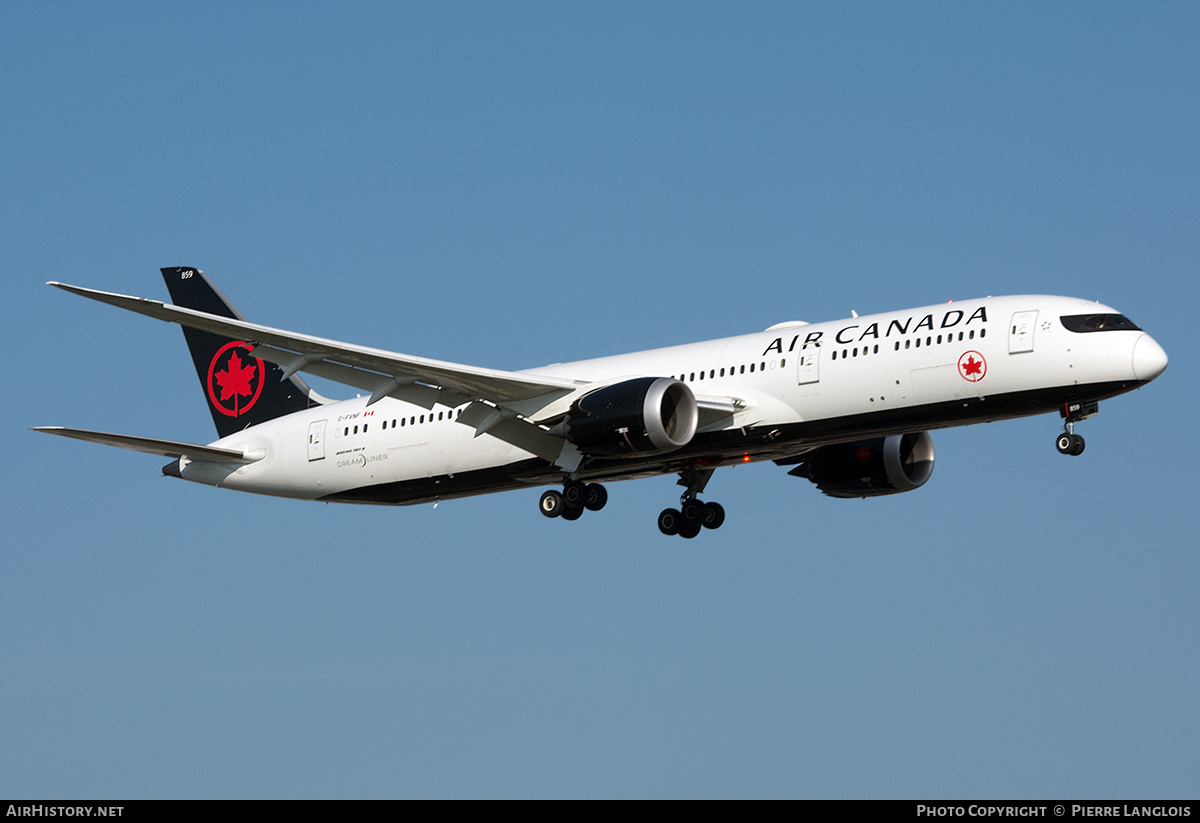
(570, 503)
(692, 514)
(1069, 442)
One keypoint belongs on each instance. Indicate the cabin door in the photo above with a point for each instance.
(809, 368)
(1020, 332)
(316, 440)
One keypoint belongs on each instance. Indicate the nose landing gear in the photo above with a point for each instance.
(1069, 442)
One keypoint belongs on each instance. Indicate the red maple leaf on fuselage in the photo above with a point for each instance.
(236, 378)
(972, 366)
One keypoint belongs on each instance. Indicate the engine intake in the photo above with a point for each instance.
(870, 468)
(646, 415)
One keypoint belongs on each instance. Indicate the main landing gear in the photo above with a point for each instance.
(686, 521)
(692, 515)
(1069, 442)
(569, 504)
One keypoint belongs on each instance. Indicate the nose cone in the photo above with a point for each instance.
(1149, 359)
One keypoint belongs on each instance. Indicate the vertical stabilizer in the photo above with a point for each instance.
(241, 390)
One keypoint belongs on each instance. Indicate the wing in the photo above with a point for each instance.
(383, 373)
(501, 402)
(150, 445)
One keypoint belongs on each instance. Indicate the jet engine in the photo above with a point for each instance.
(646, 415)
(870, 468)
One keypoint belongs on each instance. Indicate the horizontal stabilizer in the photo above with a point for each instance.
(150, 445)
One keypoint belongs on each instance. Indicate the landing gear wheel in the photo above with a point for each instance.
(1071, 444)
(689, 530)
(574, 493)
(595, 497)
(692, 511)
(552, 504)
(669, 521)
(713, 517)
(572, 514)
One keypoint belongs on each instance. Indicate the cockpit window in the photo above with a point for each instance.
(1098, 322)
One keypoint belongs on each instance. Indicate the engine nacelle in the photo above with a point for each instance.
(646, 415)
(870, 468)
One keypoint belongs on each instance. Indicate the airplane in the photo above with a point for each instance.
(847, 404)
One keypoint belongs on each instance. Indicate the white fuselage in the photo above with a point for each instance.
(785, 390)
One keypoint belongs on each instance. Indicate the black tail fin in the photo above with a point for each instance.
(241, 390)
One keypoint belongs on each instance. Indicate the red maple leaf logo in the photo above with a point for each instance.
(240, 379)
(236, 378)
(972, 366)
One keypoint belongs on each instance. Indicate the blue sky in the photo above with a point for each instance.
(513, 185)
